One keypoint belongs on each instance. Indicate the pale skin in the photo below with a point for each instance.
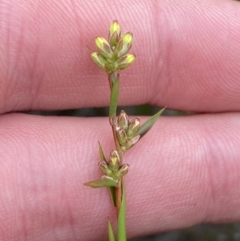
(185, 171)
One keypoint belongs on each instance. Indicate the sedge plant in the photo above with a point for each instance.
(113, 56)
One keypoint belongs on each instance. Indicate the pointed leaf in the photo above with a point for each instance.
(113, 195)
(122, 236)
(114, 98)
(110, 232)
(146, 126)
(103, 158)
(105, 181)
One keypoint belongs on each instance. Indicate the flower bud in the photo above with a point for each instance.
(114, 34)
(124, 61)
(114, 153)
(132, 142)
(114, 163)
(104, 168)
(98, 60)
(124, 44)
(133, 127)
(104, 47)
(122, 136)
(123, 120)
(115, 27)
(123, 170)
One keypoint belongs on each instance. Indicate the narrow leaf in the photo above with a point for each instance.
(110, 232)
(114, 98)
(105, 181)
(103, 158)
(146, 126)
(113, 195)
(122, 236)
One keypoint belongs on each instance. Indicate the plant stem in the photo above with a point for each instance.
(111, 78)
(118, 191)
(121, 232)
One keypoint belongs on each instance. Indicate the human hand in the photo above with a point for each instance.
(185, 171)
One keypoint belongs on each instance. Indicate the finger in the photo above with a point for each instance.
(188, 54)
(184, 172)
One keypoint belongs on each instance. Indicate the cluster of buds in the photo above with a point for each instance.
(113, 169)
(112, 54)
(127, 131)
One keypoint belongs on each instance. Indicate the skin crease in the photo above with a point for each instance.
(184, 172)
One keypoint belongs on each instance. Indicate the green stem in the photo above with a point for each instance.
(110, 80)
(121, 232)
(119, 191)
(112, 120)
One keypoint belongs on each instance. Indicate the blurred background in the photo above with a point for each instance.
(203, 232)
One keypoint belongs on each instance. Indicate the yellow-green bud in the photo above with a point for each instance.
(114, 34)
(114, 163)
(124, 61)
(115, 27)
(123, 120)
(114, 153)
(132, 142)
(133, 127)
(123, 170)
(98, 60)
(104, 168)
(122, 136)
(104, 47)
(124, 44)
